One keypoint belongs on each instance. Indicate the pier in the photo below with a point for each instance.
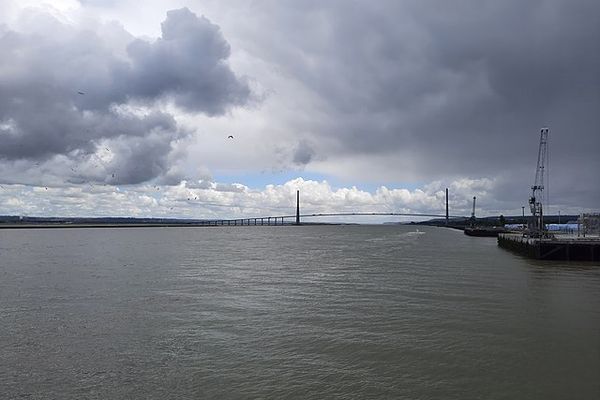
(566, 248)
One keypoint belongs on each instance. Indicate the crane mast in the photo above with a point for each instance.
(473, 213)
(536, 227)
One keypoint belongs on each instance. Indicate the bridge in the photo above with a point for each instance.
(281, 219)
(295, 219)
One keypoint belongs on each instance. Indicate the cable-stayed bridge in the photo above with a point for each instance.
(291, 219)
(125, 222)
(296, 219)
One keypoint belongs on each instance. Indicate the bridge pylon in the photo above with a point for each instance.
(297, 207)
(447, 219)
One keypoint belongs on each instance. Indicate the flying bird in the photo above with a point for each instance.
(230, 137)
(81, 93)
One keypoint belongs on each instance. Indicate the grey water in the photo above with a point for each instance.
(308, 312)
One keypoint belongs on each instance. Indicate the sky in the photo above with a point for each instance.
(108, 108)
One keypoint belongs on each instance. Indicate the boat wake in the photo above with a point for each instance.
(415, 233)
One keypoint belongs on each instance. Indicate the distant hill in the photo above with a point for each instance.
(12, 219)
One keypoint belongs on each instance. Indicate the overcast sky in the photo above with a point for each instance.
(112, 108)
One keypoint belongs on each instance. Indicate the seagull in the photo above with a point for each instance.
(230, 137)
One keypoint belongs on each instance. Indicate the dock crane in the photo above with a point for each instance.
(473, 213)
(536, 226)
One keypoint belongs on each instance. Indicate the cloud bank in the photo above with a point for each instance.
(90, 103)
(422, 91)
(209, 199)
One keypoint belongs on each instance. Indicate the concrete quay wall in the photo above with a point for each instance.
(567, 249)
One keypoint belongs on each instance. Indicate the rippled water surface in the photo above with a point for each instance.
(308, 312)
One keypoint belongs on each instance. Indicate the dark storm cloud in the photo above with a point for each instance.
(460, 88)
(138, 159)
(303, 153)
(66, 90)
(187, 64)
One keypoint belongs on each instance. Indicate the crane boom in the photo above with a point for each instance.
(535, 201)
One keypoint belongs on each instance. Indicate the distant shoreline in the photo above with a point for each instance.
(142, 225)
(68, 225)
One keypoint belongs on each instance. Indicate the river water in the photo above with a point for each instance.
(310, 312)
